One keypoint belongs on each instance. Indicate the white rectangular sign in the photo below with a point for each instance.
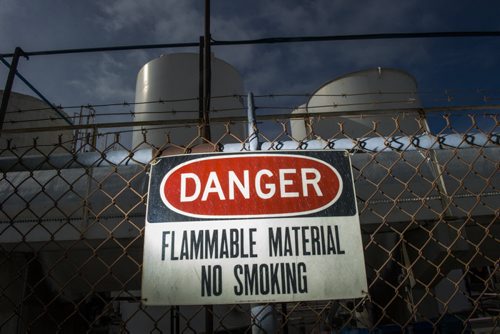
(254, 227)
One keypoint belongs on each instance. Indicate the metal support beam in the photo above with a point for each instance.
(37, 92)
(205, 121)
(201, 90)
(207, 74)
(253, 132)
(270, 40)
(437, 170)
(264, 317)
(8, 84)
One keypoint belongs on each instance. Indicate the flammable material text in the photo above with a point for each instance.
(304, 241)
(241, 243)
(209, 244)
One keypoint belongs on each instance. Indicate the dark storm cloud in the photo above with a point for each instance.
(301, 67)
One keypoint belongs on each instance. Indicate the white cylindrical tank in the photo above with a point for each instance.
(25, 112)
(372, 103)
(174, 79)
(298, 126)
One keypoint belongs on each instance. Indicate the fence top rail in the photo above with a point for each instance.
(145, 156)
(262, 117)
(269, 40)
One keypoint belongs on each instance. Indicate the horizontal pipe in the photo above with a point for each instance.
(144, 156)
(271, 40)
(380, 144)
(70, 161)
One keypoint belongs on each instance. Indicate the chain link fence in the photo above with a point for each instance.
(72, 218)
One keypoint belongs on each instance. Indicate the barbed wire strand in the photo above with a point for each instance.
(243, 97)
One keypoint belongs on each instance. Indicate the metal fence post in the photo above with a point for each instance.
(8, 84)
(263, 316)
(253, 132)
(437, 170)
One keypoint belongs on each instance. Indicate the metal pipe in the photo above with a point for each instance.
(437, 170)
(207, 74)
(264, 318)
(201, 90)
(172, 315)
(253, 132)
(8, 84)
(284, 318)
(37, 92)
(205, 130)
(275, 40)
(106, 49)
(144, 156)
(270, 40)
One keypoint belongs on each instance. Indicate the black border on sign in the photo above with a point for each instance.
(158, 212)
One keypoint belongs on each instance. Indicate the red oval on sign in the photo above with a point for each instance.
(251, 185)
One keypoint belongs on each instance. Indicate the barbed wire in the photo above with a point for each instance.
(124, 103)
(363, 114)
(178, 123)
(446, 91)
(334, 110)
(241, 97)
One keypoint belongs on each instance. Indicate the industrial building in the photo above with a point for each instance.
(72, 213)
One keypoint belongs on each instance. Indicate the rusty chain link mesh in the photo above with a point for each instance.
(72, 220)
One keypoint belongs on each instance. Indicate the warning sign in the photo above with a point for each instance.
(252, 227)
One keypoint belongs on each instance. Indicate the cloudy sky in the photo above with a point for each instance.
(438, 64)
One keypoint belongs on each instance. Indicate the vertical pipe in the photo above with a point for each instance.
(8, 84)
(437, 170)
(264, 319)
(209, 319)
(201, 90)
(284, 319)
(172, 319)
(207, 74)
(177, 320)
(253, 134)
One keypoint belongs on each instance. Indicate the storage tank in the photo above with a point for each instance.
(385, 96)
(24, 112)
(174, 79)
(299, 126)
